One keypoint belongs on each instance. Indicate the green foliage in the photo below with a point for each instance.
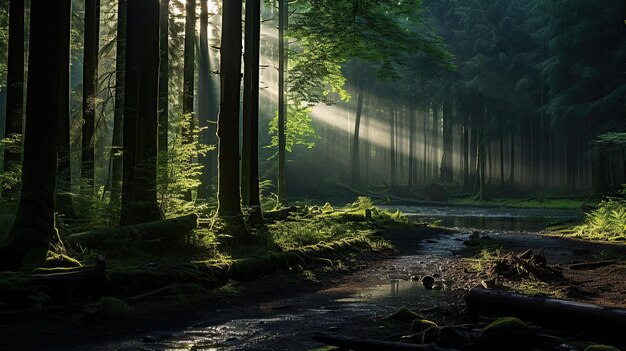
(180, 172)
(108, 306)
(612, 141)
(298, 128)
(362, 203)
(11, 175)
(606, 222)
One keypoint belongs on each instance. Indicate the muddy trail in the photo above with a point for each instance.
(282, 312)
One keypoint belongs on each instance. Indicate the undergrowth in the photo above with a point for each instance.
(606, 222)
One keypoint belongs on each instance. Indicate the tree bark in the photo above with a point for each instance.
(355, 161)
(412, 144)
(206, 103)
(48, 67)
(392, 147)
(465, 151)
(163, 80)
(118, 115)
(15, 85)
(282, 103)
(228, 124)
(250, 165)
(139, 196)
(90, 79)
(446, 175)
(189, 67)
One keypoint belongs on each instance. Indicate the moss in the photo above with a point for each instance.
(405, 315)
(420, 325)
(508, 333)
(600, 348)
(60, 260)
(108, 306)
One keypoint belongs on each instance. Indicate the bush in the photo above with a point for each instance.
(606, 222)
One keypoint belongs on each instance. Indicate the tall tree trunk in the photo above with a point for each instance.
(355, 157)
(90, 79)
(465, 151)
(412, 170)
(502, 157)
(139, 196)
(163, 81)
(48, 70)
(250, 164)
(446, 175)
(63, 194)
(435, 141)
(118, 114)
(283, 16)
(206, 103)
(392, 148)
(425, 145)
(512, 162)
(15, 85)
(228, 124)
(189, 65)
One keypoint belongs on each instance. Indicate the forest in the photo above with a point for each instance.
(312, 175)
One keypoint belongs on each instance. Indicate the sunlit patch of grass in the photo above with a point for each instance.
(478, 262)
(606, 222)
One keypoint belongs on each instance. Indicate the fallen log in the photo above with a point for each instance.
(373, 345)
(554, 313)
(172, 230)
(280, 215)
(591, 265)
(60, 287)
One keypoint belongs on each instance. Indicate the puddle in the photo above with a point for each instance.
(405, 292)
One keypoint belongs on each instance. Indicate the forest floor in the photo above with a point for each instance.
(280, 312)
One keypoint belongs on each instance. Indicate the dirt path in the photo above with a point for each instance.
(281, 312)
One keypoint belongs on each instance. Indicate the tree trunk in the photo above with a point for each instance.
(63, 194)
(435, 141)
(15, 85)
(501, 157)
(412, 170)
(283, 15)
(163, 127)
(355, 161)
(228, 123)
(392, 147)
(189, 66)
(446, 175)
(118, 116)
(250, 165)
(139, 197)
(90, 79)
(425, 144)
(48, 69)
(512, 162)
(206, 101)
(465, 151)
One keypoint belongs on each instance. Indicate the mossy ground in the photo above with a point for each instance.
(209, 256)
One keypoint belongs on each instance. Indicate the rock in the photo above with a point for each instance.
(601, 348)
(415, 278)
(428, 282)
(405, 315)
(508, 333)
(420, 325)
